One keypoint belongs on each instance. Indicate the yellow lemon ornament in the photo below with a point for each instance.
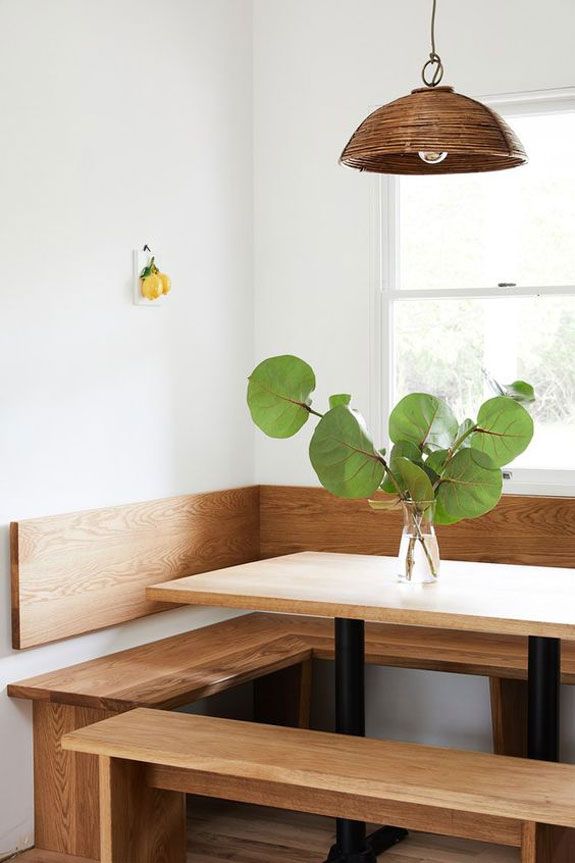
(153, 282)
(166, 283)
(152, 287)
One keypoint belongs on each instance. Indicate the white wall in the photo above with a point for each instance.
(121, 122)
(125, 122)
(319, 67)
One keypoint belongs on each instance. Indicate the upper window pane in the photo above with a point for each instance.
(443, 346)
(479, 230)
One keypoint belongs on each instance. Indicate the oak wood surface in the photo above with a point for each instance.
(413, 816)
(87, 570)
(139, 824)
(38, 855)
(65, 783)
(176, 670)
(525, 529)
(180, 669)
(220, 830)
(509, 716)
(544, 843)
(481, 597)
(354, 771)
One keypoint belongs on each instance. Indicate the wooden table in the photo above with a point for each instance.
(538, 602)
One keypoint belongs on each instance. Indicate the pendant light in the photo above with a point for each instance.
(434, 130)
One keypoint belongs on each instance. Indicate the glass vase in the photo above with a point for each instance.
(418, 559)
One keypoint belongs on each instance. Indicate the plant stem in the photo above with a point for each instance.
(311, 411)
(409, 558)
(453, 449)
(421, 538)
(401, 494)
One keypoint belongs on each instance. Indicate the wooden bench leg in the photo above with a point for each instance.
(542, 843)
(284, 697)
(65, 783)
(509, 716)
(139, 824)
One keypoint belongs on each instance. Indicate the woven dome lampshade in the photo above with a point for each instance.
(434, 130)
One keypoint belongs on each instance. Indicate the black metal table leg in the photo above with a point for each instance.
(352, 845)
(544, 683)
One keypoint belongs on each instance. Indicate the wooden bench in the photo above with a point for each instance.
(149, 760)
(274, 651)
(165, 674)
(85, 571)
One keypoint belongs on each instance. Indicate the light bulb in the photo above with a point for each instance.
(431, 157)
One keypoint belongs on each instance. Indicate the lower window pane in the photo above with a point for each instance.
(444, 346)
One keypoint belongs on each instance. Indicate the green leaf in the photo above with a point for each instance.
(279, 392)
(384, 504)
(402, 448)
(343, 455)
(470, 486)
(504, 430)
(339, 399)
(424, 420)
(441, 517)
(406, 449)
(520, 391)
(417, 482)
(436, 461)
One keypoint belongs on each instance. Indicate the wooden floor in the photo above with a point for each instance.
(238, 833)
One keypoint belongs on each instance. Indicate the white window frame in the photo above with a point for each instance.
(384, 278)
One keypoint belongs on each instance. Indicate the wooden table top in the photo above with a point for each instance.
(481, 597)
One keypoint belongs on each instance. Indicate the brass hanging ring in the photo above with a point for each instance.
(434, 63)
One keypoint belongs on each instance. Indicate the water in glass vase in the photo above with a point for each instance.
(418, 558)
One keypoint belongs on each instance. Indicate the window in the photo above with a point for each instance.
(478, 278)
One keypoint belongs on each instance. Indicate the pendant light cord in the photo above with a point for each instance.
(434, 63)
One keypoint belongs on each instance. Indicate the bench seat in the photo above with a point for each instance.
(174, 671)
(183, 668)
(150, 759)
(273, 650)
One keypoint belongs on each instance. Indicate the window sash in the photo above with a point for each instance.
(385, 280)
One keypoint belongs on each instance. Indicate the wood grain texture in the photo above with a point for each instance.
(521, 529)
(478, 597)
(220, 830)
(139, 824)
(353, 772)
(37, 855)
(65, 783)
(509, 716)
(432, 649)
(543, 843)
(413, 816)
(176, 670)
(84, 571)
(182, 668)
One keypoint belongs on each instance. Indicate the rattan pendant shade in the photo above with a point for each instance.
(433, 131)
(433, 120)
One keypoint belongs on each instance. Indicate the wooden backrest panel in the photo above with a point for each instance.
(81, 572)
(521, 529)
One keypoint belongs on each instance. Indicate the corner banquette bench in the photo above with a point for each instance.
(85, 571)
(149, 760)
